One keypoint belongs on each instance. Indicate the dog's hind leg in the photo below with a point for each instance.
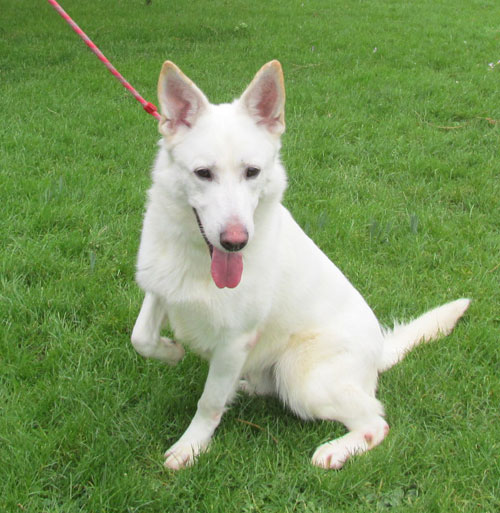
(146, 333)
(365, 431)
(321, 380)
(260, 382)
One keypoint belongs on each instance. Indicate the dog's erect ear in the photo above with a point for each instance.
(181, 101)
(264, 98)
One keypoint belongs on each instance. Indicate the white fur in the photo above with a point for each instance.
(294, 326)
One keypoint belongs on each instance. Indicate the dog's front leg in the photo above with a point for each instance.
(224, 372)
(146, 333)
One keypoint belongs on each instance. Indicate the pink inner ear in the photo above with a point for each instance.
(184, 110)
(268, 98)
(180, 106)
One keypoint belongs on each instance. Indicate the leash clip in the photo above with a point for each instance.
(150, 108)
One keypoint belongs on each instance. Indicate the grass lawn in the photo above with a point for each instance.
(393, 153)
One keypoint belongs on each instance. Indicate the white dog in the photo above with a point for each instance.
(237, 279)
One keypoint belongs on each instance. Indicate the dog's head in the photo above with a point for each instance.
(226, 158)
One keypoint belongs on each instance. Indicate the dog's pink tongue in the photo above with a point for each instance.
(226, 268)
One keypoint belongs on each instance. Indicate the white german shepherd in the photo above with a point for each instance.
(237, 279)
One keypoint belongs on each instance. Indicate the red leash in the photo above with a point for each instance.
(148, 107)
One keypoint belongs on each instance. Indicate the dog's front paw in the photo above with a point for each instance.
(183, 454)
(171, 351)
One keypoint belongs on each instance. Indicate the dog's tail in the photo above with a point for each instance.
(431, 325)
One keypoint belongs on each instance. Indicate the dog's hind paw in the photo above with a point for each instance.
(259, 384)
(246, 387)
(333, 455)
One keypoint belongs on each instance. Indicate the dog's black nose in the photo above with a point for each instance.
(234, 238)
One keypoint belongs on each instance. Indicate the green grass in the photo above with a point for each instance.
(393, 150)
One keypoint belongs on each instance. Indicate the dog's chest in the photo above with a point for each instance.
(202, 324)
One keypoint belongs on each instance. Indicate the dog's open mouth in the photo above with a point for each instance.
(226, 268)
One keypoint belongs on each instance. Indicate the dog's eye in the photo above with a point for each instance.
(203, 173)
(251, 172)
